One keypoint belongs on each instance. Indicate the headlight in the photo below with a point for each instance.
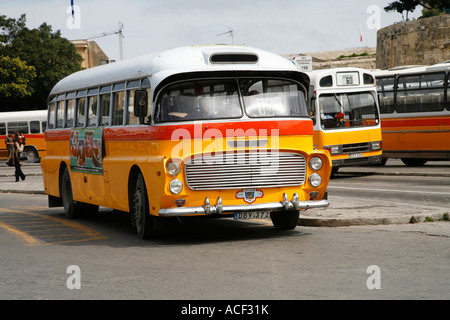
(315, 163)
(175, 186)
(173, 168)
(376, 145)
(315, 180)
(333, 149)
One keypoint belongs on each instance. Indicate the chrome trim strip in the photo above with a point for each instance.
(271, 206)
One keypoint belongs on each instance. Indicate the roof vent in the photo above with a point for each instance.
(233, 58)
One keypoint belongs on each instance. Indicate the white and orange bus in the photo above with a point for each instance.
(32, 125)
(346, 116)
(415, 113)
(216, 131)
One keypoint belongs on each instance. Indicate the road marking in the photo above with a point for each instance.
(24, 229)
(388, 190)
(31, 241)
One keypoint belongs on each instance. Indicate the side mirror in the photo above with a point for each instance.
(140, 103)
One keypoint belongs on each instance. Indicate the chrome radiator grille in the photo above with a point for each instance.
(356, 147)
(245, 170)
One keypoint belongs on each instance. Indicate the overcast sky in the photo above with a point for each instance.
(280, 26)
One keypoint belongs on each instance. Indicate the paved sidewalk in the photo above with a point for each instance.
(343, 211)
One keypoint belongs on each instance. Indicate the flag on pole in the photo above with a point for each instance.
(73, 11)
(360, 34)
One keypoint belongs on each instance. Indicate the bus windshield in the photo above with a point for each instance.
(348, 110)
(220, 99)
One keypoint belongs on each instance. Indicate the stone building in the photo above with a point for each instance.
(91, 52)
(418, 42)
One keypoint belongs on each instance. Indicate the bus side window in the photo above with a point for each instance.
(92, 111)
(35, 127)
(60, 114)
(70, 113)
(21, 126)
(118, 108)
(448, 91)
(51, 115)
(80, 112)
(2, 128)
(131, 118)
(44, 125)
(105, 104)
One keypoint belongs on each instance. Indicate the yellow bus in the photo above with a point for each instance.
(345, 112)
(198, 131)
(32, 125)
(415, 113)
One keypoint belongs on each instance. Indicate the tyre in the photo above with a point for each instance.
(413, 162)
(73, 209)
(67, 197)
(32, 155)
(147, 226)
(285, 220)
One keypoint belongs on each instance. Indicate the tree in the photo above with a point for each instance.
(410, 5)
(53, 57)
(15, 77)
(402, 5)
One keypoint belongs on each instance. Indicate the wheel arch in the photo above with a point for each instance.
(132, 178)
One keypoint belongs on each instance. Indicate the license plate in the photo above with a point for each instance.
(355, 155)
(251, 215)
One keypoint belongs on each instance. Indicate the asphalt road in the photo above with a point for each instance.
(45, 256)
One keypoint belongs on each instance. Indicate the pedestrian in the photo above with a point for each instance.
(19, 142)
(9, 141)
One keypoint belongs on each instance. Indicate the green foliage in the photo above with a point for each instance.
(354, 55)
(434, 6)
(15, 76)
(52, 56)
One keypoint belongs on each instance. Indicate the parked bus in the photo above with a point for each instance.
(345, 112)
(216, 131)
(31, 124)
(415, 113)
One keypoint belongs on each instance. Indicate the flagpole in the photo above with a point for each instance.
(360, 36)
(73, 20)
(35, 16)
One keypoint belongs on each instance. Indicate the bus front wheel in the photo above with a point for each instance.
(147, 226)
(285, 220)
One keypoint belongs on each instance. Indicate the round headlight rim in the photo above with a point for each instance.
(173, 172)
(312, 178)
(174, 189)
(312, 166)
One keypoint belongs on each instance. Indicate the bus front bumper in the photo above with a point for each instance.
(208, 209)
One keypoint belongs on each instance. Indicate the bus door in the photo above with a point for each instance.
(89, 179)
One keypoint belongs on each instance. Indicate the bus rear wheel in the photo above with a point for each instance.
(147, 226)
(414, 162)
(285, 220)
(73, 209)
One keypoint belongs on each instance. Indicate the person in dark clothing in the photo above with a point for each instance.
(18, 148)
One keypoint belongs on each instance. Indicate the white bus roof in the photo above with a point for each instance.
(28, 115)
(445, 66)
(316, 75)
(158, 66)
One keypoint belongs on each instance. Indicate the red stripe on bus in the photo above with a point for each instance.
(56, 135)
(200, 130)
(420, 122)
(196, 131)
